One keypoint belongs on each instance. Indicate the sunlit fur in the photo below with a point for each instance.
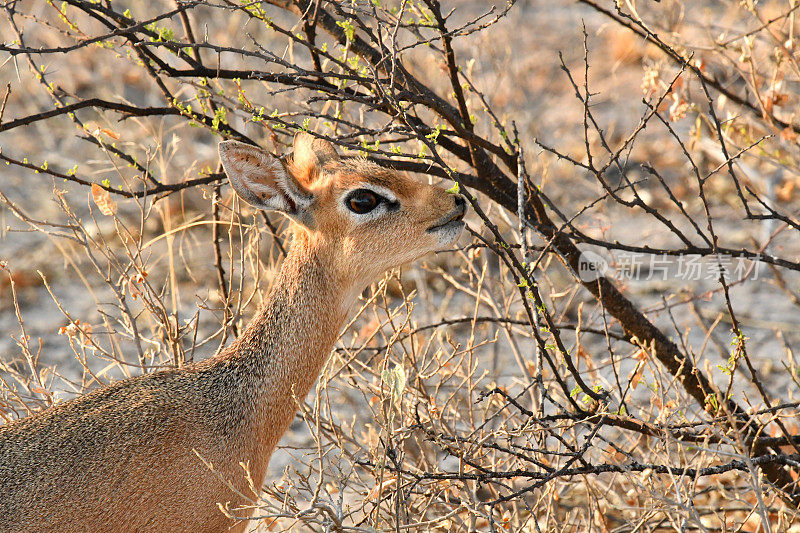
(127, 457)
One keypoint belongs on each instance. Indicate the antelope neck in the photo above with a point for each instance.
(291, 336)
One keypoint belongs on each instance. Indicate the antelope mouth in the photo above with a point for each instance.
(451, 221)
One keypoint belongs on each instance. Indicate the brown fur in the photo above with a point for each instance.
(125, 458)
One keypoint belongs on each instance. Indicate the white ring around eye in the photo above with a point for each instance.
(381, 209)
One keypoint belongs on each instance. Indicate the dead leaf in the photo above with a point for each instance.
(103, 200)
(110, 133)
(377, 492)
(636, 377)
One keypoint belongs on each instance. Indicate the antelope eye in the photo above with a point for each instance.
(363, 201)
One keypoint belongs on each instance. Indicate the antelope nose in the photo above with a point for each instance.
(460, 202)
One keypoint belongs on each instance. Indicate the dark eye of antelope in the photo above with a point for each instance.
(363, 201)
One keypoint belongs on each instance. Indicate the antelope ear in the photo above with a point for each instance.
(262, 181)
(310, 154)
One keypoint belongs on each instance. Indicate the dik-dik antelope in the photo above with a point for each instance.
(128, 457)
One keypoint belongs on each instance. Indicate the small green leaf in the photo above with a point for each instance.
(455, 189)
(347, 26)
